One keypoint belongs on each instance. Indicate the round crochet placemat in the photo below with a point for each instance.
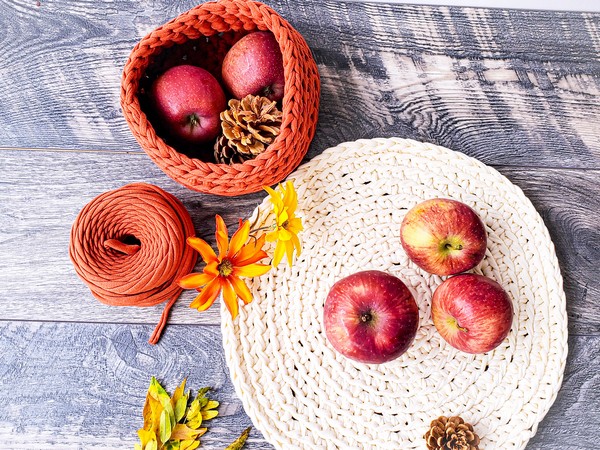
(300, 393)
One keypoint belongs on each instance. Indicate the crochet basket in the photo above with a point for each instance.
(300, 106)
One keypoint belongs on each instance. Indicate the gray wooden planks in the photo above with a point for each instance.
(82, 386)
(508, 87)
(516, 89)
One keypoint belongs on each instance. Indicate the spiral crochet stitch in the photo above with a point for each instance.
(302, 394)
(129, 246)
(300, 105)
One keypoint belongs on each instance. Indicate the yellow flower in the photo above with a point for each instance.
(237, 258)
(287, 227)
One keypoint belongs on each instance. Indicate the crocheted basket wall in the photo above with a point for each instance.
(216, 26)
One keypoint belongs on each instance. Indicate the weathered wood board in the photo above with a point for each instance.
(508, 87)
(516, 89)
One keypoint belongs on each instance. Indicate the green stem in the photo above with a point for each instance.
(265, 228)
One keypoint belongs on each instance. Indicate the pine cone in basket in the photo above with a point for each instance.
(226, 154)
(251, 124)
(451, 434)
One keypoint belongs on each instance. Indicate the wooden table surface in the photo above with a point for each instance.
(517, 90)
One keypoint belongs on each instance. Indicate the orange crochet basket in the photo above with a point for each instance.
(212, 28)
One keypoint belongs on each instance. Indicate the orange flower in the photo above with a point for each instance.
(237, 258)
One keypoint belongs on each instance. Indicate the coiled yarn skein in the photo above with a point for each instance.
(129, 246)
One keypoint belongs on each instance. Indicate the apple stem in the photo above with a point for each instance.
(366, 317)
(455, 323)
(267, 91)
(193, 120)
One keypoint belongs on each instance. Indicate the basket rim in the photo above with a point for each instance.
(196, 166)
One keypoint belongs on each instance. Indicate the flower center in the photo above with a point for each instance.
(225, 268)
(285, 224)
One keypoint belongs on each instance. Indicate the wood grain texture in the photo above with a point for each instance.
(42, 193)
(77, 386)
(516, 89)
(508, 87)
(82, 386)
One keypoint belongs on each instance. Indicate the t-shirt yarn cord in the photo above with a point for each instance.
(129, 247)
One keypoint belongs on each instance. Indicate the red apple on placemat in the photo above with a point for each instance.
(370, 317)
(254, 65)
(443, 236)
(189, 100)
(472, 313)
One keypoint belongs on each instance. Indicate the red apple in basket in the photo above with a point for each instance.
(254, 65)
(370, 317)
(472, 313)
(189, 100)
(443, 236)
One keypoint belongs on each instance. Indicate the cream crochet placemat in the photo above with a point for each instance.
(300, 393)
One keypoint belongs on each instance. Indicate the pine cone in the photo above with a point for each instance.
(451, 434)
(251, 124)
(226, 154)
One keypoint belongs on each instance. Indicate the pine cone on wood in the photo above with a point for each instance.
(251, 124)
(451, 434)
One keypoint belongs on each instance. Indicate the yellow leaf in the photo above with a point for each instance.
(212, 404)
(159, 393)
(165, 427)
(152, 412)
(146, 436)
(238, 444)
(189, 445)
(193, 410)
(179, 401)
(195, 422)
(180, 408)
(183, 432)
(207, 415)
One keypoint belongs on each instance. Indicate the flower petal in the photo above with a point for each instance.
(202, 247)
(207, 296)
(297, 244)
(241, 289)
(275, 199)
(212, 268)
(272, 236)
(230, 298)
(295, 225)
(290, 198)
(239, 238)
(194, 280)
(289, 250)
(284, 235)
(282, 217)
(251, 252)
(221, 237)
(251, 270)
(278, 254)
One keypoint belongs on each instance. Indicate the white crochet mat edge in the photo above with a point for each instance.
(301, 394)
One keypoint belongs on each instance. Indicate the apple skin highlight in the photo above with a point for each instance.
(189, 100)
(254, 65)
(472, 313)
(370, 317)
(443, 236)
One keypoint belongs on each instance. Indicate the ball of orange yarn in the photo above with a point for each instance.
(129, 246)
